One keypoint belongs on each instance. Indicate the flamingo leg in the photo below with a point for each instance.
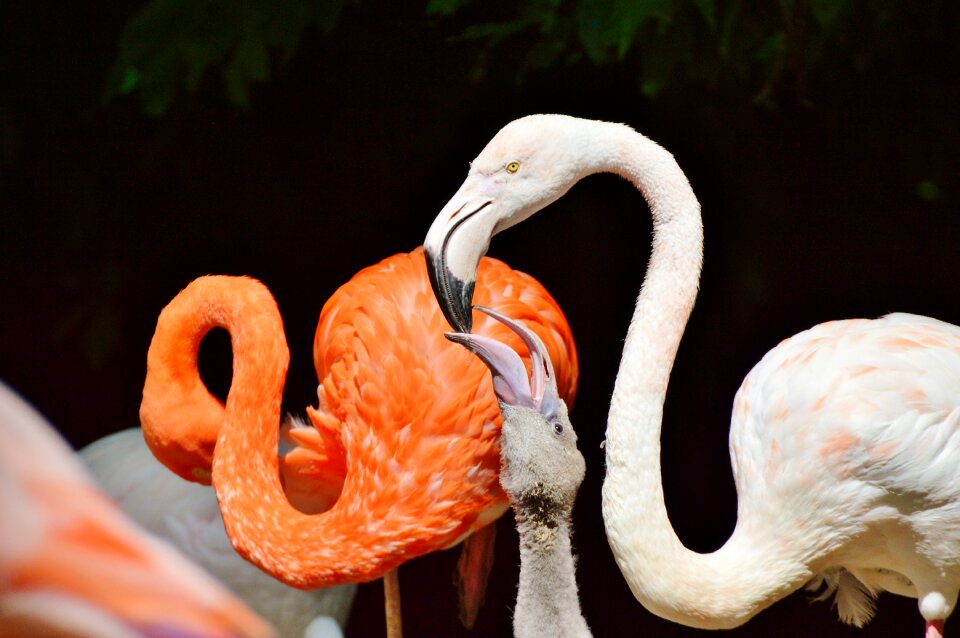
(934, 629)
(391, 603)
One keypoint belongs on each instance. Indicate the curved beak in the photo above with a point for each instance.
(510, 381)
(457, 239)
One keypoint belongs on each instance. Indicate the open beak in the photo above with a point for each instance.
(458, 238)
(510, 381)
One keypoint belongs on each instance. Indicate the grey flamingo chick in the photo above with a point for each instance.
(541, 471)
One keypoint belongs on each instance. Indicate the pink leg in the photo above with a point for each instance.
(934, 629)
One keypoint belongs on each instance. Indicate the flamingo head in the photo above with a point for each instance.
(529, 164)
(541, 466)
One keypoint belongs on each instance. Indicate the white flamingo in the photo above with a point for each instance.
(844, 439)
(187, 515)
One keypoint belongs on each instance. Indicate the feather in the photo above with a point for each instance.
(854, 600)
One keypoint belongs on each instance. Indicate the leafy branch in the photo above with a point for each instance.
(171, 45)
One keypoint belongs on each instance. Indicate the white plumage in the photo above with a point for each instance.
(188, 516)
(845, 439)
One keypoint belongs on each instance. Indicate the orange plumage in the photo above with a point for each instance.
(406, 429)
(72, 565)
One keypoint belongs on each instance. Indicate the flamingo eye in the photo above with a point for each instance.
(513, 167)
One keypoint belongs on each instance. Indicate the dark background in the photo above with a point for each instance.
(828, 174)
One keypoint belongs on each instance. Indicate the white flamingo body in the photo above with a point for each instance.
(187, 515)
(844, 442)
(845, 439)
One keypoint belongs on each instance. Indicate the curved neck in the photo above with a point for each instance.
(547, 601)
(716, 590)
(179, 417)
(302, 550)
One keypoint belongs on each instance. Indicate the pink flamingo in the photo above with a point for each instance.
(72, 565)
(844, 438)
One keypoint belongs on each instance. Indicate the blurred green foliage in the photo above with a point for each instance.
(360, 116)
(767, 47)
(171, 45)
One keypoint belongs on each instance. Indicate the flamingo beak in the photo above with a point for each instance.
(454, 294)
(510, 381)
(458, 238)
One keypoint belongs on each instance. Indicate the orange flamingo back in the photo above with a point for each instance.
(416, 419)
(405, 422)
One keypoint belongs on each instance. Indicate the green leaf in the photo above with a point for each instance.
(131, 78)
(606, 25)
(493, 31)
(249, 63)
(928, 190)
(828, 13)
(708, 9)
(174, 44)
(772, 48)
(728, 27)
(544, 54)
(651, 88)
(444, 7)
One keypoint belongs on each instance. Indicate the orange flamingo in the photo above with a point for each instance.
(72, 565)
(403, 458)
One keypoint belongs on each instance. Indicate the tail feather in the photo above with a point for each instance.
(854, 600)
(312, 463)
(473, 572)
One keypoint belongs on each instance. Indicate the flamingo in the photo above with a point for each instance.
(542, 469)
(72, 565)
(186, 514)
(843, 440)
(402, 458)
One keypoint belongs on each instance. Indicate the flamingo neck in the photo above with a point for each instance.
(547, 600)
(302, 550)
(717, 590)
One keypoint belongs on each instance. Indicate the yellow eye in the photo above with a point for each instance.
(513, 167)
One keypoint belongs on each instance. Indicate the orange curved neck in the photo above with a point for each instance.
(181, 419)
(183, 422)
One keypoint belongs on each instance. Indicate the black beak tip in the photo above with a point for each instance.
(453, 294)
(461, 304)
